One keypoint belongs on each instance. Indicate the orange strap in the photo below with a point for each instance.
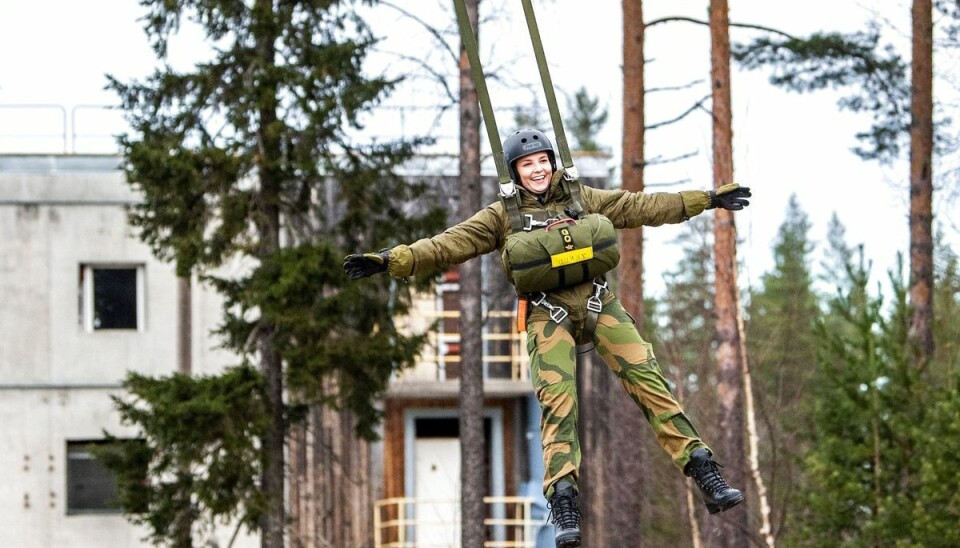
(523, 305)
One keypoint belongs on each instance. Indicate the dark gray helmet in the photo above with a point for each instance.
(523, 143)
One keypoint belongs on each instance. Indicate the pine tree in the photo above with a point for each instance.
(247, 164)
(946, 311)
(880, 467)
(885, 437)
(877, 75)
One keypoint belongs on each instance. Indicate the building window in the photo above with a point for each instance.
(111, 297)
(91, 485)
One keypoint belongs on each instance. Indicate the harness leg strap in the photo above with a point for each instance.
(594, 307)
(560, 314)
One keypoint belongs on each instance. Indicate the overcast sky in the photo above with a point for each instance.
(56, 52)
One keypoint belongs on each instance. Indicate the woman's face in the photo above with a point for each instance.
(535, 172)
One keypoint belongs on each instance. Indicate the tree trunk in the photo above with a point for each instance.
(921, 183)
(183, 526)
(731, 530)
(753, 439)
(472, 450)
(184, 325)
(267, 220)
(330, 488)
(594, 382)
(628, 510)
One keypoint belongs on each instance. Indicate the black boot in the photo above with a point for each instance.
(565, 514)
(717, 495)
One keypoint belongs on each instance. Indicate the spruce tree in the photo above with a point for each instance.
(252, 178)
(586, 119)
(781, 341)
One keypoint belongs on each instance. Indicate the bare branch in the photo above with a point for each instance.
(698, 104)
(659, 160)
(436, 75)
(437, 35)
(675, 18)
(676, 88)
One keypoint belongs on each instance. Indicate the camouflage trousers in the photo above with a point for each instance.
(553, 370)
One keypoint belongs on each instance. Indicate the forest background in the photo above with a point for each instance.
(858, 443)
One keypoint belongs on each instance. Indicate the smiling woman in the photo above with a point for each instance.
(535, 171)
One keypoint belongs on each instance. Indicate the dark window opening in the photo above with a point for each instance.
(91, 485)
(115, 298)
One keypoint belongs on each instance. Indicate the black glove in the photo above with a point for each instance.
(731, 196)
(368, 264)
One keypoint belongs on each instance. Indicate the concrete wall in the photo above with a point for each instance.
(58, 213)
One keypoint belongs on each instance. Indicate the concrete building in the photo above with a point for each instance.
(84, 302)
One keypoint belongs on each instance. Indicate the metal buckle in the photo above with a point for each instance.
(540, 300)
(558, 314)
(508, 189)
(594, 304)
(571, 173)
(530, 224)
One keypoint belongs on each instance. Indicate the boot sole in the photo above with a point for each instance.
(723, 506)
(568, 541)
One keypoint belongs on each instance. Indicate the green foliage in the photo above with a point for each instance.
(850, 468)
(199, 455)
(586, 119)
(782, 351)
(345, 336)
(685, 338)
(946, 311)
(835, 60)
(530, 116)
(885, 445)
(252, 177)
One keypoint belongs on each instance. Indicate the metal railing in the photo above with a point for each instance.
(436, 358)
(58, 129)
(419, 523)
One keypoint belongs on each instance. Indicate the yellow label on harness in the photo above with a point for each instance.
(570, 257)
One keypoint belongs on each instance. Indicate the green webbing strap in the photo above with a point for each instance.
(470, 44)
(547, 82)
(571, 176)
(508, 192)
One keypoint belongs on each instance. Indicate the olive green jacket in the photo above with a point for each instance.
(487, 230)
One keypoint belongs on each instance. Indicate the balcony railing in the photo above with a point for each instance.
(420, 523)
(504, 356)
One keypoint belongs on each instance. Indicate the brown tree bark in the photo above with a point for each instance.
(731, 529)
(184, 525)
(627, 502)
(921, 183)
(593, 383)
(472, 450)
(185, 325)
(330, 482)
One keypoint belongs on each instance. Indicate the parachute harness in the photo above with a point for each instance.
(508, 191)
